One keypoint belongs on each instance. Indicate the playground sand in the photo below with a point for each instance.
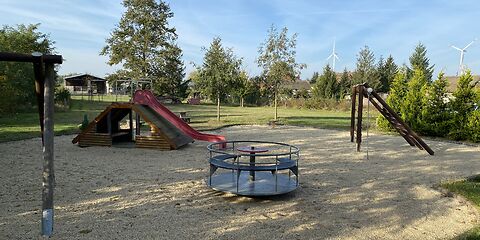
(128, 193)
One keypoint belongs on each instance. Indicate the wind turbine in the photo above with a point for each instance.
(333, 56)
(461, 68)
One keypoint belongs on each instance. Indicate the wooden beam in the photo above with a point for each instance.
(399, 119)
(39, 75)
(19, 57)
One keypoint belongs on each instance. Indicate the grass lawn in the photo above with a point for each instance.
(470, 189)
(203, 117)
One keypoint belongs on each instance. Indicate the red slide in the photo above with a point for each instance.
(146, 97)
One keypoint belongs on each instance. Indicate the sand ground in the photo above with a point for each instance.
(128, 193)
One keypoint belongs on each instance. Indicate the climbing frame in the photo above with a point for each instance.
(395, 120)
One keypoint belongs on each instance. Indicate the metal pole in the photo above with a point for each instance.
(48, 154)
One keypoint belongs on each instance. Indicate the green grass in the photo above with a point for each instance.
(203, 117)
(470, 189)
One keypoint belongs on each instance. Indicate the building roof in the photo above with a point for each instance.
(298, 85)
(83, 77)
(453, 81)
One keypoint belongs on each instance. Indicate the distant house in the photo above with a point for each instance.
(86, 83)
(298, 86)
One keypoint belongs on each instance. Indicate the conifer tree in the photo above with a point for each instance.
(396, 97)
(411, 109)
(345, 84)
(386, 71)
(365, 71)
(435, 117)
(326, 85)
(314, 78)
(463, 104)
(419, 60)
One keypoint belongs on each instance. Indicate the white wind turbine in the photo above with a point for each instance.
(461, 68)
(333, 56)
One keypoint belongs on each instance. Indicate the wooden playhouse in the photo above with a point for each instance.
(121, 123)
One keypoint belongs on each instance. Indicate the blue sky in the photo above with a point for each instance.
(80, 28)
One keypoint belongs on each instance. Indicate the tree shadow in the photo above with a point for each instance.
(138, 193)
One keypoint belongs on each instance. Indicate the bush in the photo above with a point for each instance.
(328, 104)
(383, 124)
(62, 96)
(473, 126)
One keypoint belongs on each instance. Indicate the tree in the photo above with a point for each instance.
(386, 71)
(327, 85)
(16, 79)
(277, 59)
(314, 78)
(419, 60)
(345, 84)
(395, 99)
(411, 108)
(170, 71)
(463, 105)
(219, 72)
(145, 44)
(243, 87)
(365, 71)
(435, 117)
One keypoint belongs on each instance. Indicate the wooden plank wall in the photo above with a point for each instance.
(156, 142)
(95, 139)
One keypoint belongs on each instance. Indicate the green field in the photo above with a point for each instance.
(203, 117)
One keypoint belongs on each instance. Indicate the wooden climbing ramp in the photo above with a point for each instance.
(395, 120)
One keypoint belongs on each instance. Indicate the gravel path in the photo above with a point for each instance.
(128, 193)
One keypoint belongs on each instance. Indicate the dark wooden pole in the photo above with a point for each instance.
(352, 118)
(19, 57)
(360, 89)
(39, 75)
(130, 123)
(48, 154)
(137, 124)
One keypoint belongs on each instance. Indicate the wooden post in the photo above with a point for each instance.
(352, 118)
(360, 89)
(39, 87)
(137, 124)
(48, 154)
(109, 122)
(130, 123)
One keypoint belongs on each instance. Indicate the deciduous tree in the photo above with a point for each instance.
(144, 43)
(219, 72)
(16, 79)
(277, 59)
